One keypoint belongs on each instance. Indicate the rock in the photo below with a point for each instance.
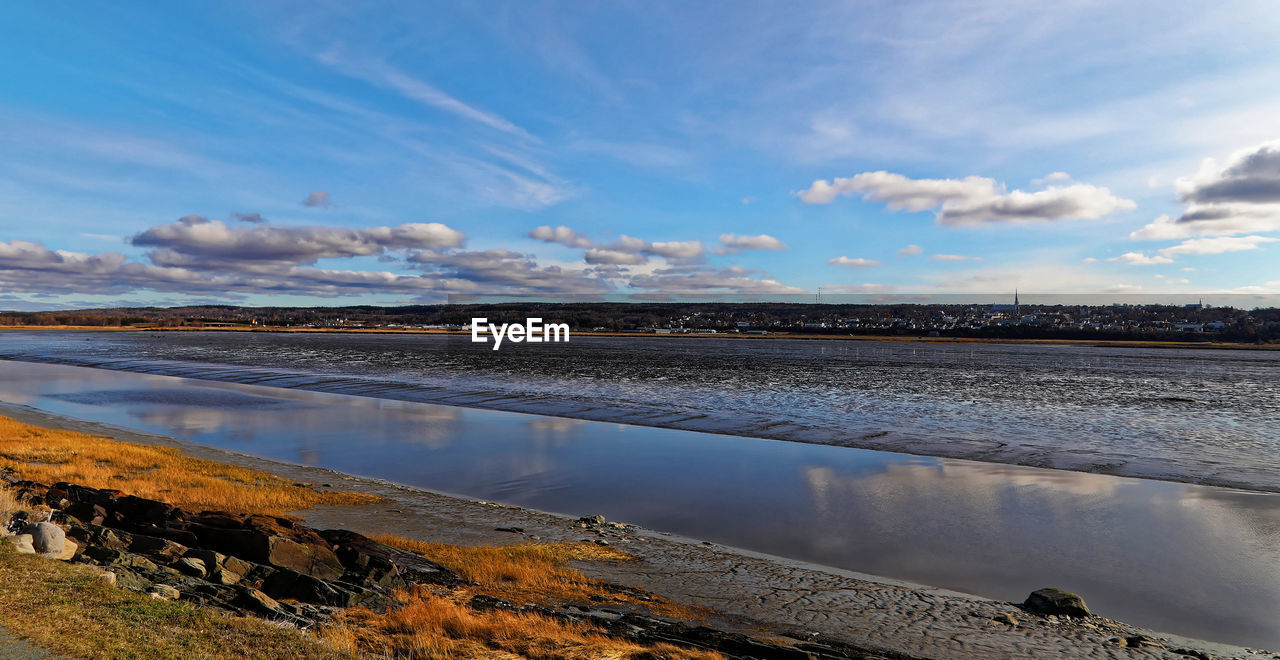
(165, 592)
(22, 544)
(258, 602)
(151, 545)
(592, 520)
(69, 550)
(108, 576)
(1006, 619)
(513, 530)
(191, 566)
(1051, 601)
(233, 570)
(1142, 641)
(47, 538)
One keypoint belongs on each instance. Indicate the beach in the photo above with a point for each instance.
(750, 592)
(1134, 548)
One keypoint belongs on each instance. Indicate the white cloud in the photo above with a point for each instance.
(853, 262)
(910, 250)
(1219, 245)
(972, 200)
(676, 249)
(562, 235)
(615, 257)
(1141, 259)
(954, 257)
(1088, 260)
(761, 242)
(1051, 177)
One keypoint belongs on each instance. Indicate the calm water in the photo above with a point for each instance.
(1199, 416)
(1197, 560)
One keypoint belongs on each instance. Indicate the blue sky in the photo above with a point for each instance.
(335, 153)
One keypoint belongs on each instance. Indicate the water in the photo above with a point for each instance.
(1198, 416)
(1196, 560)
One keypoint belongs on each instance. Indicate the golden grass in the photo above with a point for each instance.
(156, 472)
(431, 626)
(540, 573)
(68, 609)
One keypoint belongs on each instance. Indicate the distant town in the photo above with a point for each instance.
(1194, 322)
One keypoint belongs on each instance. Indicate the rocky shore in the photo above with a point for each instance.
(764, 606)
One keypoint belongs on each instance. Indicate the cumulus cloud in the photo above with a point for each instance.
(318, 198)
(615, 257)
(252, 218)
(954, 257)
(676, 249)
(626, 250)
(196, 256)
(196, 242)
(972, 200)
(761, 242)
(910, 250)
(1251, 176)
(562, 235)
(1240, 197)
(853, 262)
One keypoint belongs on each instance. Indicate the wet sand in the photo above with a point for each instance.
(752, 592)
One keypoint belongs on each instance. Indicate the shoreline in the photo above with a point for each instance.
(751, 591)
(1097, 343)
(1146, 468)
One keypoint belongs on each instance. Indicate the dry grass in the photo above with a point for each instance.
(156, 472)
(67, 608)
(540, 573)
(434, 625)
(428, 625)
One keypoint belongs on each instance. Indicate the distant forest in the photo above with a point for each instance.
(1141, 322)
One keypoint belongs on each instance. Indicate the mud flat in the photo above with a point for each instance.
(751, 592)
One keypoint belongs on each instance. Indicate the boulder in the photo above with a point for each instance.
(1055, 601)
(191, 566)
(47, 538)
(22, 544)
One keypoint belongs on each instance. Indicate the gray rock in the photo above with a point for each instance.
(1051, 601)
(47, 538)
(22, 544)
(191, 566)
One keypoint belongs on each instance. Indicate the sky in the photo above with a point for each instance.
(331, 153)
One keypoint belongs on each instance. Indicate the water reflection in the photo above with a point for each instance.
(1196, 560)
